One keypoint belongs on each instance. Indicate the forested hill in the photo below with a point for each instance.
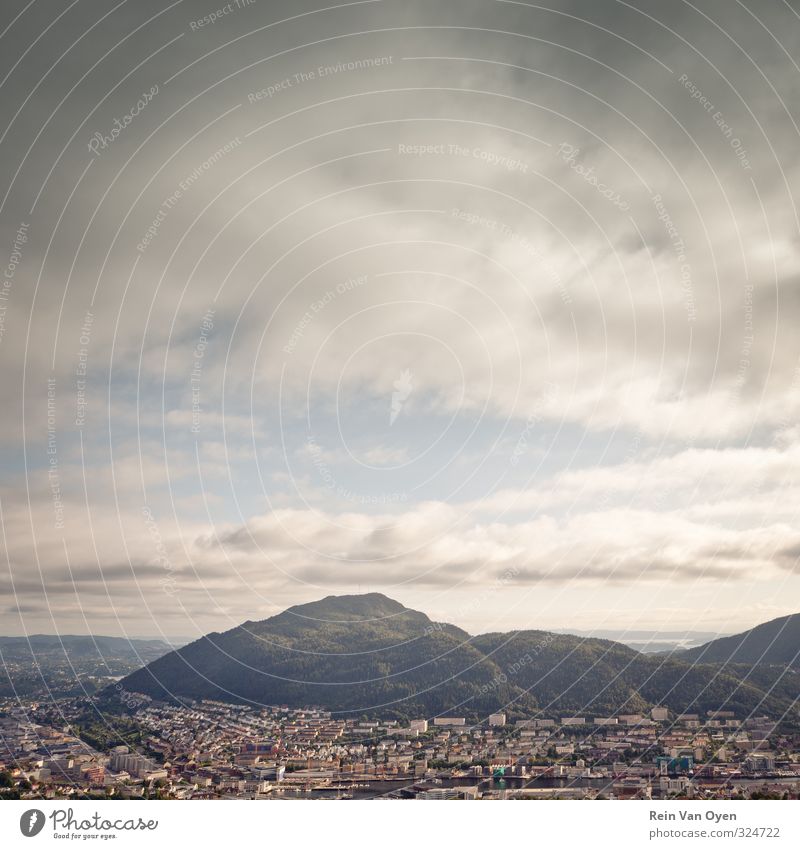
(370, 655)
(775, 642)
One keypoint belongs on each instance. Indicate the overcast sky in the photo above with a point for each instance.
(489, 306)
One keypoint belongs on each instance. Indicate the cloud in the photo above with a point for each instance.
(531, 211)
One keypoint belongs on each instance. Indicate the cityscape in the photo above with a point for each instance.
(361, 697)
(400, 402)
(214, 750)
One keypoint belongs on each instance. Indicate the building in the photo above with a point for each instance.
(136, 765)
(659, 714)
(670, 786)
(93, 774)
(261, 748)
(497, 719)
(268, 772)
(668, 765)
(450, 720)
(760, 762)
(420, 725)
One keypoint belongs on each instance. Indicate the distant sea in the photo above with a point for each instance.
(652, 641)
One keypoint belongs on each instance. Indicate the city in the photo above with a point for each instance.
(214, 750)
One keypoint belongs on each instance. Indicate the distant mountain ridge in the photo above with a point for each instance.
(81, 646)
(52, 666)
(370, 655)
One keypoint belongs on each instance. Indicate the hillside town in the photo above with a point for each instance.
(210, 749)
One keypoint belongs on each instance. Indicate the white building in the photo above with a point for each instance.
(137, 765)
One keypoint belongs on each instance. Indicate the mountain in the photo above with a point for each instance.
(364, 654)
(80, 647)
(570, 674)
(48, 666)
(369, 655)
(775, 642)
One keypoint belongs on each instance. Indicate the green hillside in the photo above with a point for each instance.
(775, 642)
(352, 654)
(369, 655)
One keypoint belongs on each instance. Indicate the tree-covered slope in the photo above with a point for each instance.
(775, 642)
(352, 654)
(569, 674)
(370, 655)
(566, 673)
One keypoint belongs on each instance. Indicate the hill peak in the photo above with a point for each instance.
(338, 608)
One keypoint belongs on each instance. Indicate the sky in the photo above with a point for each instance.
(488, 306)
